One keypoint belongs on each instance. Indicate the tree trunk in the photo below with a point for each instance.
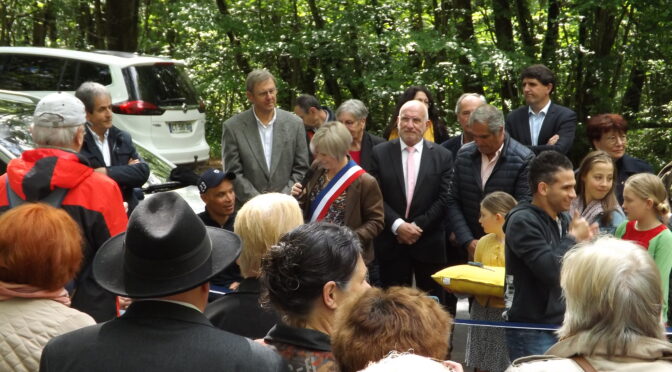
(326, 64)
(504, 41)
(44, 22)
(633, 93)
(441, 16)
(416, 20)
(525, 25)
(122, 24)
(98, 36)
(464, 24)
(551, 38)
(242, 61)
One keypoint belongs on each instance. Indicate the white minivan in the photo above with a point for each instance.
(152, 97)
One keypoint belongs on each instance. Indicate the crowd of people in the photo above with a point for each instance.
(318, 242)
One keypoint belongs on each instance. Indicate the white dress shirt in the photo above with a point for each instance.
(266, 136)
(103, 146)
(536, 121)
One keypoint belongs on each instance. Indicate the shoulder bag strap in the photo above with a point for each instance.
(584, 364)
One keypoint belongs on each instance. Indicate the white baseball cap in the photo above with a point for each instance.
(59, 110)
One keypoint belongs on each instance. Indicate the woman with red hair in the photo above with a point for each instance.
(40, 251)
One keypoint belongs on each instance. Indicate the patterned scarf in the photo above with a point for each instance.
(592, 212)
(9, 291)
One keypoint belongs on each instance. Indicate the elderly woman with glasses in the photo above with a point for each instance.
(608, 132)
(353, 114)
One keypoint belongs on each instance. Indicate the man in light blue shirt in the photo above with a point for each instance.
(541, 124)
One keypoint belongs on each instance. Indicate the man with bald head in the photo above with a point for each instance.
(414, 176)
(465, 105)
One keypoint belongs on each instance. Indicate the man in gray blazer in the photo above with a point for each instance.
(264, 146)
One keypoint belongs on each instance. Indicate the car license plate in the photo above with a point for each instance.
(179, 126)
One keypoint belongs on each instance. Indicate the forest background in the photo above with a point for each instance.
(608, 55)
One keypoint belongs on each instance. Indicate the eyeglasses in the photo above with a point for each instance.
(612, 140)
(270, 92)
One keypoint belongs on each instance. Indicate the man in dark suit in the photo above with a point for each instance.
(163, 262)
(264, 146)
(465, 105)
(313, 115)
(414, 176)
(352, 113)
(108, 149)
(541, 124)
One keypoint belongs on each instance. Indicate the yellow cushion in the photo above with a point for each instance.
(474, 280)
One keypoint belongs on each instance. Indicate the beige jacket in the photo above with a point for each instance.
(646, 354)
(26, 325)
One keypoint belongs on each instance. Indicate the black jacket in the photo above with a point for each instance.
(368, 142)
(559, 120)
(157, 336)
(239, 312)
(453, 144)
(428, 207)
(534, 248)
(232, 272)
(310, 131)
(464, 198)
(128, 177)
(626, 166)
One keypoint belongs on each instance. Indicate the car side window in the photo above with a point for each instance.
(94, 72)
(28, 72)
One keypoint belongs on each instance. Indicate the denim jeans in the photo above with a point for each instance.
(526, 342)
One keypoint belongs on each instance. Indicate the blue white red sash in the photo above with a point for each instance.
(344, 178)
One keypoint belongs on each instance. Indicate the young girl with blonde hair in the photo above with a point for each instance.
(645, 203)
(486, 347)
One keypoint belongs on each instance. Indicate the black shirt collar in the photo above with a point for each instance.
(301, 337)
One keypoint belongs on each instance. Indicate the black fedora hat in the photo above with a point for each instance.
(165, 250)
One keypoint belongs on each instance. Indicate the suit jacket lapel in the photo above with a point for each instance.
(279, 139)
(90, 143)
(395, 159)
(525, 119)
(425, 165)
(546, 131)
(253, 138)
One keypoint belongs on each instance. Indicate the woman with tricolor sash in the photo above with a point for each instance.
(339, 191)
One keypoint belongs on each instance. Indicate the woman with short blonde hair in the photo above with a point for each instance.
(260, 223)
(332, 139)
(338, 190)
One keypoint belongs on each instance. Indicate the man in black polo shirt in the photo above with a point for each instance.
(216, 188)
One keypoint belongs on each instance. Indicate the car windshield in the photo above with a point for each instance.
(163, 84)
(160, 168)
(15, 120)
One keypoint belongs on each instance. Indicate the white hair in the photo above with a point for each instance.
(405, 362)
(57, 137)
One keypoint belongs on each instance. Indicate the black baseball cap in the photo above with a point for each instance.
(212, 178)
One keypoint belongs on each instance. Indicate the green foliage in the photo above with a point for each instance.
(374, 49)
